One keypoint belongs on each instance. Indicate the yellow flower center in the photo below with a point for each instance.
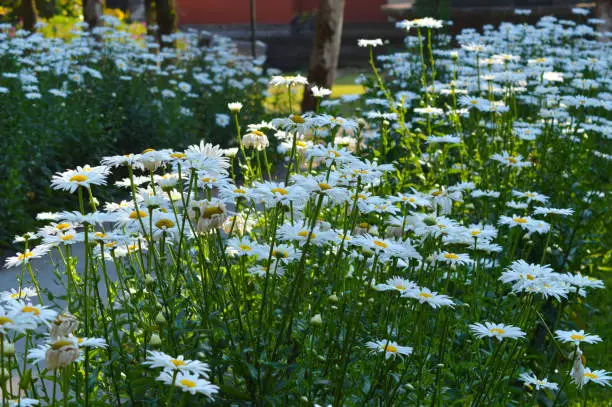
(61, 343)
(245, 247)
(324, 186)
(164, 224)
(178, 155)
(530, 277)
(590, 375)
(100, 235)
(425, 295)
(239, 191)
(279, 254)
(512, 160)
(304, 233)
(148, 150)
(211, 211)
(5, 320)
(300, 144)
(436, 193)
(177, 362)
(333, 152)
(519, 220)
(26, 255)
(138, 214)
(297, 119)
(281, 191)
(530, 195)
(110, 244)
(258, 133)
(187, 383)
(31, 309)
(380, 244)
(389, 348)
(497, 331)
(66, 237)
(476, 232)
(577, 337)
(400, 287)
(78, 178)
(451, 256)
(62, 226)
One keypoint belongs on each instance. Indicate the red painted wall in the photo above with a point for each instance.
(233, 11)
(358, 11)
(269, 11)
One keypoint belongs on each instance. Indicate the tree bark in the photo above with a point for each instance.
(326, 49)
(166, 17)
(29, 15)
(150, 15)
(92, 11)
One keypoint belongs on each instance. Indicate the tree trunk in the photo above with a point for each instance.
(150, 15)
(326, 49)
(166, 18)
(92, 11)
(29, 15)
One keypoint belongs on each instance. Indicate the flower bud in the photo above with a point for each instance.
(64, 325)
(429, 221)
(9, 349)
(160, 319)
(316, 320)
(333, 298)
(234, 107)
(155, 339)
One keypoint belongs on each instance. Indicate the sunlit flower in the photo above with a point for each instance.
(25, 257)
(499, 331)
(390, 348)
(81, 177)
(576, 337)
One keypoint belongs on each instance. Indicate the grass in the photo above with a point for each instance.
(343, 85)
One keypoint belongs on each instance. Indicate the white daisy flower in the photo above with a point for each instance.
(390, 348)
(190, 383)
(84, 177)
(426, 296)
(499, 331)
(170, 364)
(529, 379)
(576, 337)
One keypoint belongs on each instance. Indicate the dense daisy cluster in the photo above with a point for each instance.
(94, 93)
(22, 323)
(427, 252)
